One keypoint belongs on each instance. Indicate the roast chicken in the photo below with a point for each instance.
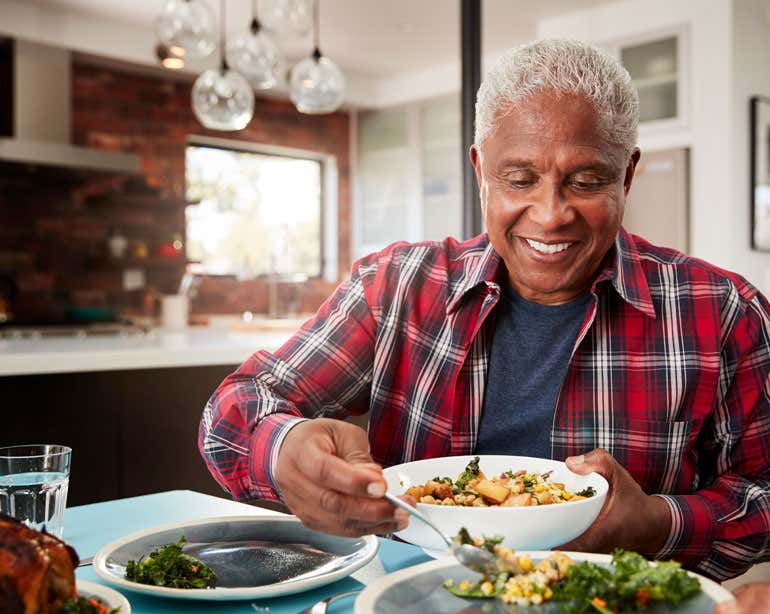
(37, 570)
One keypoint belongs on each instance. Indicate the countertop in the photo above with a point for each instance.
(191, 347)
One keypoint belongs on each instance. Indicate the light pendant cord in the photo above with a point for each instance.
(316, 29)
(255, 25)
(223, 36)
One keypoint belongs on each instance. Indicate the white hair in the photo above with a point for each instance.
(563, 66)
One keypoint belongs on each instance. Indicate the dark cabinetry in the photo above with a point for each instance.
(132, 432)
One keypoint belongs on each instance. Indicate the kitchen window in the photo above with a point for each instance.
(257, 212)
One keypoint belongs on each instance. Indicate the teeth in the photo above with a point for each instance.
(553, 248)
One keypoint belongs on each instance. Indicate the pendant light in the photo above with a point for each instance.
(316, 84)
(222, 99)
(256, 56)
(186, 28)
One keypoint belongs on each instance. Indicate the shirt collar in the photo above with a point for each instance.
(622, 266)
(482, 267)
(624, 269)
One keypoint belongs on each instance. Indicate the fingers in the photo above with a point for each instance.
(598, 460)
(327, 478)
(728, 607)
(337, 474)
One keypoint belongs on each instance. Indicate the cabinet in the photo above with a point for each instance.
(409, 174)
(658, 67)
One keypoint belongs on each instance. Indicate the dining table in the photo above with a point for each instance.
(90, 527)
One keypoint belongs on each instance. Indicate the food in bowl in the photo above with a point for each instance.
(508, 489)
(531, 527)
(630, 583)
(529, 584)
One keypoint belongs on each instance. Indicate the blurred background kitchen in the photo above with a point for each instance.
(143, 255)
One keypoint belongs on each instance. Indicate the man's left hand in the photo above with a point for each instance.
(630, 518)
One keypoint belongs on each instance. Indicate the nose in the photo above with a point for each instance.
(549, 208)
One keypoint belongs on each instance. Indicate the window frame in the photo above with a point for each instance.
(329, 192)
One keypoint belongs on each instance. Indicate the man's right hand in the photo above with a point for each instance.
(328, 480)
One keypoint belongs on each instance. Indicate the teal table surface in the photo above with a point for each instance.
(89, 527)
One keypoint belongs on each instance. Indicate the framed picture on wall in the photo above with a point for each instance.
(760, 173)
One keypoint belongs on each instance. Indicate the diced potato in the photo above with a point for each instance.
(415, 491)
(494, 493)
(427, 499)
(430, 487)
(544, 498)
(520, 500)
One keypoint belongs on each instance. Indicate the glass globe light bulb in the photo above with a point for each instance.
(257, 58)
(187, 28)
(289, 16)
(222, 99)
(316, 85)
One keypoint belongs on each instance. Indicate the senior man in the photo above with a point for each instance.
(555, 334)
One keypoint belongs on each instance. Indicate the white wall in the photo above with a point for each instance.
(751, 77)
(729, 45)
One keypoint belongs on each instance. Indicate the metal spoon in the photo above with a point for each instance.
(477, 559)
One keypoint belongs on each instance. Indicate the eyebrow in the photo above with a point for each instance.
(520, 163)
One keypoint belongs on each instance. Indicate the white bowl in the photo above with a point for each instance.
(523, 528)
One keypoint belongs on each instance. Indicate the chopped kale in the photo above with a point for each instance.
(588, 491)
(169, 566)
(471, 472)
(630, 584)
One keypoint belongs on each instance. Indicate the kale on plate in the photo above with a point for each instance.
(169, 566)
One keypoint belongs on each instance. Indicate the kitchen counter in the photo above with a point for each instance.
(192, 347)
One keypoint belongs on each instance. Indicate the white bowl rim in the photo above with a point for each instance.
(601, 490)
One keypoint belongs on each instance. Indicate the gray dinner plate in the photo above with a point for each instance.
(419, 590)
(253, 556)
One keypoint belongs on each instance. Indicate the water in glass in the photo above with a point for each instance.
(33, 485)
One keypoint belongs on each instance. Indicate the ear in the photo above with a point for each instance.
(475, 156)
(630, 169)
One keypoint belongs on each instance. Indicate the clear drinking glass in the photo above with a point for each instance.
(33, 485)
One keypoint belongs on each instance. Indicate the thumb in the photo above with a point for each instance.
(598, 460)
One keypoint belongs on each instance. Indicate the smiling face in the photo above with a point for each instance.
(553, 191)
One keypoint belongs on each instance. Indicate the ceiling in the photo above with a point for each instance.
(373, 38)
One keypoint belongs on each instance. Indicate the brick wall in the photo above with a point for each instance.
(54, 224)
(153, 117)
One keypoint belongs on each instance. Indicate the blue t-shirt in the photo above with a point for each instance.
(531, 349)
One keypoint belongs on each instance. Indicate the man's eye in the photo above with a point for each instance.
(586, 185)
(520, 184)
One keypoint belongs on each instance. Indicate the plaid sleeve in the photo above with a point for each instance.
(325, 369)
(724, 528)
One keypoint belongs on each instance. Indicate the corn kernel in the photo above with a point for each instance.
(525, 562)
(537, 599)
(487, 588)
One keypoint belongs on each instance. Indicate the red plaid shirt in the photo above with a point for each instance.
(669, 373)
